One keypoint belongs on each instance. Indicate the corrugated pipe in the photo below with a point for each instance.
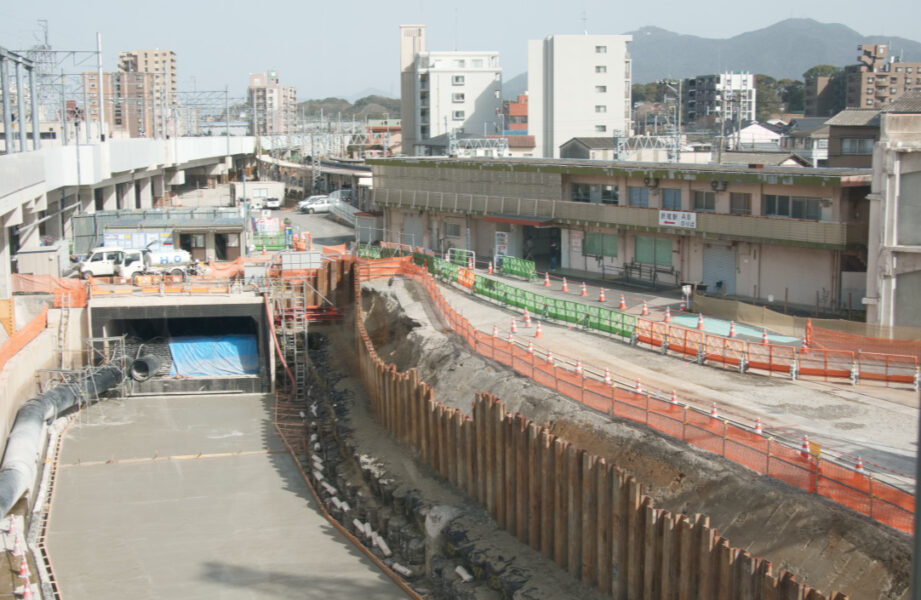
(20, 460)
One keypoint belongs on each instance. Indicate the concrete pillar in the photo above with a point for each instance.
(126, 195)
(55, 226)
(144, 196)
(87, 201)
(110, 197)
(158, 182)
(6, 283)
(28, 236)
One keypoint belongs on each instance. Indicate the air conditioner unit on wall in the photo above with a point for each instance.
(651, 182)
(719, 186)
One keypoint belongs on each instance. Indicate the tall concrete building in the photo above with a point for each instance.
(274, 105)
(729, 95)
(578, 86)
(161, 65)
(879, 78)
(444, 92)
(128, 99)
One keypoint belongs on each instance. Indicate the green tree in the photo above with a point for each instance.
(792, 92)
(767, 99)
(820, 71)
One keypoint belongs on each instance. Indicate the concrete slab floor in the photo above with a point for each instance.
(138, 513)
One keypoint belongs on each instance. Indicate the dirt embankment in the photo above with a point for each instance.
(824, 545)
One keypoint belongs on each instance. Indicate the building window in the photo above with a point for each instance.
(477, 63)
(671, 199)
(460, 63)
(452, 230)
(581, 192)
(893, 90)
(740, 204)
(601, 89)
(908, 70)
(601, 49)
(601, 108)
(601, 69)
(638, 196)
(794, 207)
(458, 115)
(610, 194)
(652, 251)
(857, 146)
(869, 101)
(599, 244)
(704, 201)
(457, 97)
(601, 128)
(869, 80)
(457, 80)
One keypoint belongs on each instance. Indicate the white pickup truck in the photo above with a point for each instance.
(130, 263)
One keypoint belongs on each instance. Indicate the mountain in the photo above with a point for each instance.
(784, 49)
(368, 107)
(511, 88)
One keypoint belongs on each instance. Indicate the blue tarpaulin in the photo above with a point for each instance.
(217, 356)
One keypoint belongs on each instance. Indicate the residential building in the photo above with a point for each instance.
(444, 92)
(515, 116)
(823, 96)
(710, 97)
(894, 246)
(852, 134)
(754, 136)
(519, 146)
(879, 78)
(274, 105)
(578, 86)
(161, 65)
(754, 232)
(807, 137)
(129, 102)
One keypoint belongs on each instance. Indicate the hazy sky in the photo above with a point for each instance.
(348, 47)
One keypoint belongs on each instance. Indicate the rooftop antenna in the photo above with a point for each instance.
(584, 23)
(455, 29)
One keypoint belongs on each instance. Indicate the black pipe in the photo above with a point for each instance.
(144, 367)
(20, 459)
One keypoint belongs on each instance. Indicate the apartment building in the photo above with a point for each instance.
(274, 105)
(578, 86)
(443, 92)
(129, 102)
(515, 116)
(894, 269)
(852, 133)
(161, 65)
(879, 78)
(726, 95)
(762, 232)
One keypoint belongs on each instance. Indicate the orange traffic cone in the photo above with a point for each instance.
(805, 449)
(538, 333)
(490, 271)
(601, 296)
(732, 329)
(263, 251)
(668, 315)
(23, 568)
(530, 347)
(514, 328)
(550, 356)
(579, 366)
(584, 291)
(27, 591)
(758, 429)
(674, 397)
(509, 338)
(713, 413)
(859, 466)
(764, 337)
(684, 306)
(805, 346)
(645, 309)
(607, 376)
(470, 262)
(623, 303)
(495, 331)
(547, 279)
(565, 286)
(527, 317)
(639, 388)
(700, 321)
(17, 548)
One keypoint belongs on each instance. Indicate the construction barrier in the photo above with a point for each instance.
(18, 340)
(825, 363)
(774, 458)
(726, 351)
(887, 367)
(518, 267)
(590, 517)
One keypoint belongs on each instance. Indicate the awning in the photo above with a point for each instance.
(520, 220)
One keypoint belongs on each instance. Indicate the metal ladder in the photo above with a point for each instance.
(63, 326)
(290, 306)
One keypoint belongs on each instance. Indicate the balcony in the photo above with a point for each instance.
(793, 232)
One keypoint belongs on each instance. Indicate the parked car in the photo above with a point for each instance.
(314, 204)
(273, 203)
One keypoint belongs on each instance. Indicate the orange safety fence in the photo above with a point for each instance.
(466, 277)
(383, 267)
(769, 357)
(728, 351)
(18, 340)
(644, 332)
(826, 363)
(819, 337)
(685, 341)
(764, 455)
(69, 292)
(887, 367)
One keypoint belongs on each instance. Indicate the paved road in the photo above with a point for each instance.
(137, 513)
(325, 231)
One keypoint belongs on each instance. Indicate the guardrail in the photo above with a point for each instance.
(776, 458)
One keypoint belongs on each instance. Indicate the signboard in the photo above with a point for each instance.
(575, 241)
(138, 239)
(501, 243)
(676, 218)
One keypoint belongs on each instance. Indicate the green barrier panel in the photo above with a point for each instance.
(519, 267)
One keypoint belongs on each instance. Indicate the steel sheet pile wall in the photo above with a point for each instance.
(590, 517)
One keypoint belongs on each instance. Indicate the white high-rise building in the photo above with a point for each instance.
(446, 91)
(729, 94)
(578, 86)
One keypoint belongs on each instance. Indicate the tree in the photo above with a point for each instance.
(820, 71)
(767, 100)
(792, 92)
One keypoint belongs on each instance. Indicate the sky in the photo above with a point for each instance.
(349, 48)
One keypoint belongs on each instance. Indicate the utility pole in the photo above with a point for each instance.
(102, 110)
